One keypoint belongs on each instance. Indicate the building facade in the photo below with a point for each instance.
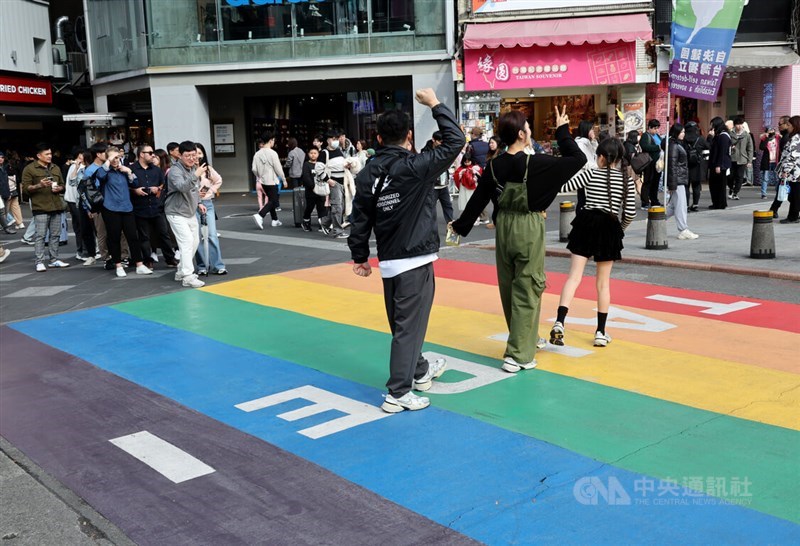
(222, 71)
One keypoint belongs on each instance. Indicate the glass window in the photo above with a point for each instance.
(117, 36)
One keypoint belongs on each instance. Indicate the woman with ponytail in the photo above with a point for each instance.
(597, 232)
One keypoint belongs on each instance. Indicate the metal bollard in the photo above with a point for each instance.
(762, 241)
(565, 221)
(656, 229)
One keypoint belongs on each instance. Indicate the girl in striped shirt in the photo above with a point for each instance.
(597, 232)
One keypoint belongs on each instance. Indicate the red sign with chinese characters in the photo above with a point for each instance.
(25, 90)
(562, 66)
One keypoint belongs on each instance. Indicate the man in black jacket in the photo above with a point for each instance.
(394, 196)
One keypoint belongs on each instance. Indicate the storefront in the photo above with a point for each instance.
(29, 114)
(534, 65)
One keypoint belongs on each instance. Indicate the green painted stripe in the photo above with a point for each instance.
(635, 432)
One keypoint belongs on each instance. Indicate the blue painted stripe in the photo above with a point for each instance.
(489, 483)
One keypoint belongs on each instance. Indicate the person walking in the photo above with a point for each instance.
(678, 182)
(329, 168)
(183, 202)
(770, 145)
(789, 171)
(395, 199)
(210, 184)
(269, 173)
(42, 181)
(719, 162)
(597, 232)
(651, 175)
(741, 157)
(527, 184)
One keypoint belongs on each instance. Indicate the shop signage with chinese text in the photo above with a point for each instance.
(538, 67)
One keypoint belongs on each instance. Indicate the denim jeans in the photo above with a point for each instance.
(215, 262)
(768, 178)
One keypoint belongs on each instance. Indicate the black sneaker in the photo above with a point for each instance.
(694, 208)
(306, 225)
(109, 265)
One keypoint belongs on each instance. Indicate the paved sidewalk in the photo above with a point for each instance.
(724, 243)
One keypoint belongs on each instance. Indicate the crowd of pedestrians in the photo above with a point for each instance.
(123, 208)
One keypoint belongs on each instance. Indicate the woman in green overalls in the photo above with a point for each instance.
(523, 186)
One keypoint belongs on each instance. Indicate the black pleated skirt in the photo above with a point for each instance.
(596, 234)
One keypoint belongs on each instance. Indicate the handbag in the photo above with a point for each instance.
(640, 160)
(783, 192)
(321, 186)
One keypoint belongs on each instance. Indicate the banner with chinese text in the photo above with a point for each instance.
(702, 36)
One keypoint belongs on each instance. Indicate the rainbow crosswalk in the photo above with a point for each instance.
(685, 429)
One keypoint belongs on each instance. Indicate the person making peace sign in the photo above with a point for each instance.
(527, 185)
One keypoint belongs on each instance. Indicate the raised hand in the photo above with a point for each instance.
(561, 117)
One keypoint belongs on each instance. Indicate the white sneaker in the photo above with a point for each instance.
(192, 282)
(512, 366)
(58, 264)
(687, 235)
(435, 371)
(89, 261)
(143, 270)
(40, 268)
(5, 254)
(601, 339)
(557, 334)
(178, 276)
(154, 257)
(80, 258)
(541, 343)
(409, 401)
(276, 223)
(694, 235)
(322, 227)
(121, 271)
(258, 220)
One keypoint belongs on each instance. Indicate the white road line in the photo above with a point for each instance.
(339, 245)
(39, 291)
(163, 457)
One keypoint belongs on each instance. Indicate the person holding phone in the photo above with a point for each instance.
(183, 202)
(43, 183)
(210, 183)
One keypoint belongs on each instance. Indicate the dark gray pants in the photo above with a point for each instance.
(408, 298)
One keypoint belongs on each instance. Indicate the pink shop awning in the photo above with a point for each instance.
(592, 30)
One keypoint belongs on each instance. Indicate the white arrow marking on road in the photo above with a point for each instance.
(358, 412)
(634, 321)
(481, 375)
(163, 457)
(566, 350)
(712, 307)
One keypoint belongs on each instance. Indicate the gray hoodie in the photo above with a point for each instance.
(183, 193)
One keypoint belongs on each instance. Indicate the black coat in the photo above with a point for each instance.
(403, 213)
(764, 166)
(697, 173)
(5, 189)
(678, 166)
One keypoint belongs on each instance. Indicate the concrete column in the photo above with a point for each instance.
(101, 104)
(442, 83)
(180, 113)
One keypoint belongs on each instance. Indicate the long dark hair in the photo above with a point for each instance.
(794, 121)
(633, 137)
(675, 131)
(584, 128)
(164, 160)
(205, 155)
(718, 125)
(500, 148)
(613, 151)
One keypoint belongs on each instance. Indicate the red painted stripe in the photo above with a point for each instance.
(768, 314)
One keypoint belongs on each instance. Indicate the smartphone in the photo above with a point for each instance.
(452, 238)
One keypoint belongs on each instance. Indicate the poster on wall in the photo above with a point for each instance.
(493, 6)
(633, 114)
(702, 36)
(224, 144)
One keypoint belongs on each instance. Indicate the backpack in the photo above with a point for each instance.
(694, 155)
(90, 195)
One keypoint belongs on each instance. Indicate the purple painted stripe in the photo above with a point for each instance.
(62, 412)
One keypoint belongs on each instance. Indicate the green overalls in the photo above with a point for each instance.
(520, 250)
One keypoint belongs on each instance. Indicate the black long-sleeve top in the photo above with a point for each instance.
(546, 175)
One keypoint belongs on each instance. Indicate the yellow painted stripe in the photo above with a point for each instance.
(763, 395)
(733, 342)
